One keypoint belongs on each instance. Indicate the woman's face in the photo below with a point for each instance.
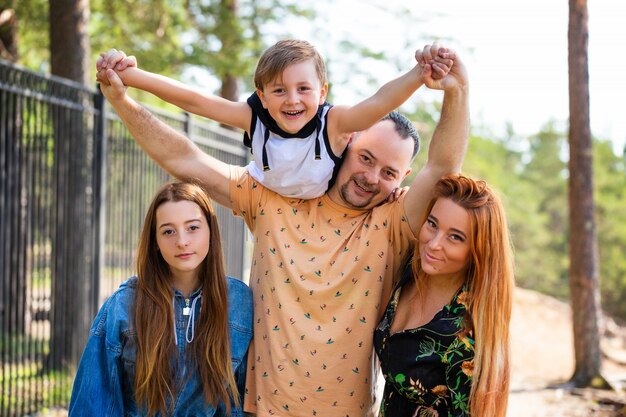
(183, 236)
(444, 239)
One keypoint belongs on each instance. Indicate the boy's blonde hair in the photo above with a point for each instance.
(282, 54)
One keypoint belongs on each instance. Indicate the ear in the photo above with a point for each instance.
(323, 92)
(261, 97)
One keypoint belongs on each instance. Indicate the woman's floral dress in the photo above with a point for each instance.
(428, 370)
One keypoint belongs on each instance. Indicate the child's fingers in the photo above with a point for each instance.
(434, 50)
(103, 60)
(446, 62)
(439, 71)
(129, 61)
(446, 53)
(445, 56)
(107, 58)
(101, 77)
(419, 57)
(393, 196)
(427, 53)
(99, 62)
(397, 193)
(113, 57)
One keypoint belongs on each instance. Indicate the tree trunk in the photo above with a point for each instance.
(583, 250)
(69, 43)
(230, 87)
(72, 280)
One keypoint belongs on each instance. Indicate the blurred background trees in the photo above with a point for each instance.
(215, 44)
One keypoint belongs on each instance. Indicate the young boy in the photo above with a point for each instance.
(296, 137)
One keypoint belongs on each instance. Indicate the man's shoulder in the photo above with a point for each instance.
(250, 198)
(391, 215)
(237, 173)
(243, 182)
(396, 206)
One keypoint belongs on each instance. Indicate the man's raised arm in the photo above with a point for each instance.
(449, 142)
(174, 152)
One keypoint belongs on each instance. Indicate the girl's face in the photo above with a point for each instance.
(183, 236)
(444, 239)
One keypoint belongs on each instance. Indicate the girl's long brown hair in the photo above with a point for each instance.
(490, 284)
(154, 322)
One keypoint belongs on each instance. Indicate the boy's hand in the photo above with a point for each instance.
(439, 60)
(430, 63)
(396, 193)
(115, 60)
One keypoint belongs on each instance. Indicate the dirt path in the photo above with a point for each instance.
(543, 356)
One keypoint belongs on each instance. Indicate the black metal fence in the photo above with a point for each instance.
(74, 188)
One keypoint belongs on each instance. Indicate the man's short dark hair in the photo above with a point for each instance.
(405, 129)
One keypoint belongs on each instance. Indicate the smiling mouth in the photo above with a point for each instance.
(431, 258)
(363, 189)
(293, 113)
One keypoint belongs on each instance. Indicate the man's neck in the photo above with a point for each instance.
(335, 196)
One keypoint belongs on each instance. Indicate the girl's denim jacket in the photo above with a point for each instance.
(104, 381)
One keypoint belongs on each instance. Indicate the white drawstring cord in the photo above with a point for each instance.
(190, 321)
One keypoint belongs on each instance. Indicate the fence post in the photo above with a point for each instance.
(99, 193)
(187, 124)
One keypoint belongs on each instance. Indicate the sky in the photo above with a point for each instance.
(515, 52)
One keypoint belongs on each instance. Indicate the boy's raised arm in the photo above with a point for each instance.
(345, 119)
(221, 110)
(174, 152)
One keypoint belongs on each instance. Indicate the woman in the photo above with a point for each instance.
(443, 341)
(173, 340)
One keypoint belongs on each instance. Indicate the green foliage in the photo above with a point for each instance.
(610, 198)
(533, 190)
(227, 36)
(423, 117)
(217, 40)
(137, 26)
(543, 249)
(533, 186)
(223, 36)
(33, 34)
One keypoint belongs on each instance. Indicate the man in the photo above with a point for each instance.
(321, 268)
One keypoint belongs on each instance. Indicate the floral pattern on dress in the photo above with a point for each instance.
(428, 370)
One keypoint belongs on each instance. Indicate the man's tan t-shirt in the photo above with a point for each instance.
(318, 274)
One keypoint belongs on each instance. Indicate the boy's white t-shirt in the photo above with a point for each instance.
(293, 170)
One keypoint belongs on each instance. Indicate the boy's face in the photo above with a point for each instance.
(292, 98)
